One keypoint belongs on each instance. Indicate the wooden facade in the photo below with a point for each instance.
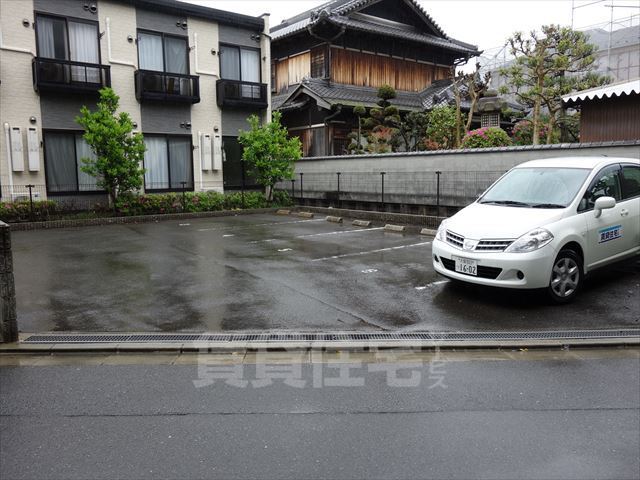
(369, 70)
(610, 119)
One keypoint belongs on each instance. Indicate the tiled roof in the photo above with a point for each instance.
(438, 94)
(404, 34)
(352, 5)
(337, 12)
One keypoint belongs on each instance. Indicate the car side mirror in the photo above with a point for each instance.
(603, 203)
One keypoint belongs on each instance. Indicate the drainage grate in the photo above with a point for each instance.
(331, 337)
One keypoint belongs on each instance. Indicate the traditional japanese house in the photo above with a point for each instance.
(327, 60)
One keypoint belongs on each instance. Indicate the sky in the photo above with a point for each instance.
(486, 23)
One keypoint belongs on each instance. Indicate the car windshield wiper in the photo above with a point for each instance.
(547, 205)
(511, 203)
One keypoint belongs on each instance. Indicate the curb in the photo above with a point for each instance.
(355, 346)
(394, 228)
(334, 219)
(383, 217)
(361, 223)
(86, 222)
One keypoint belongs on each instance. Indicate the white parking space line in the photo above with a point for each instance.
(356, 254)
(370, 270)
(339, 232)
(228, 235)
(432, 284)
(234, 227)
(284, 249)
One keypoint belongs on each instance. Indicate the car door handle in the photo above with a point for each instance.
(624, 212)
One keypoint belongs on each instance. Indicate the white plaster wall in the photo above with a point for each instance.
(18, 100)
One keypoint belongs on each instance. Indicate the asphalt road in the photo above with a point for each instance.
(271, 272)
(558, 415)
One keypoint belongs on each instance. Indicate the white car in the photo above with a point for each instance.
(545, 224)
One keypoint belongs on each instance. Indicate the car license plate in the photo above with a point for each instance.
(466, 266)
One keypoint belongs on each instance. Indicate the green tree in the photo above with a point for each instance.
(269, 152)
(118, 151)
(443, 128)
(412, 130)
(547, 67)
(473, 87)
(382, 124)
(356, 147)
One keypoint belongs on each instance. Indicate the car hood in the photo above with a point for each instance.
(478, 221)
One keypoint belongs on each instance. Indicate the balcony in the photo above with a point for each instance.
(235, 93)
(167, 87)
(53, 75)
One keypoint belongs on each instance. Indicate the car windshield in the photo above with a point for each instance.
(536, 187)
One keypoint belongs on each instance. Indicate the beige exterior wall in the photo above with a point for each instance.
(206, 116)
(18, 101)
(118, 21)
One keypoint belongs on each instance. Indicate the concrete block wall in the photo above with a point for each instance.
(410, 177)
(8, 321)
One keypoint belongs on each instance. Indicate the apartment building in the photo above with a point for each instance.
(188, 75)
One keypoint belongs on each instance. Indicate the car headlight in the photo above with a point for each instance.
(441, 234)
(533, 240)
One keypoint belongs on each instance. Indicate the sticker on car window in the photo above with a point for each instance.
(610, 233)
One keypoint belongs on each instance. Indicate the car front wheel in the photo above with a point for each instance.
(566, 277)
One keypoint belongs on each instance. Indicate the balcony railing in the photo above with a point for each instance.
(235, 93)
(53, 75)
(163, 86)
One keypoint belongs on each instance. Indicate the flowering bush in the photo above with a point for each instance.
(523, 133)
(486, 137)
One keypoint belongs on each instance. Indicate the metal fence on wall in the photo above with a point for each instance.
(434, 188)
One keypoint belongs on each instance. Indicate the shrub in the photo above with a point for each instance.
(486, 137)
(233, 201)
(20, 211)
(441, 132)
(281, 199)
(523, 133)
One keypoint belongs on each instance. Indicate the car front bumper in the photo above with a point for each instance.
(497, 269)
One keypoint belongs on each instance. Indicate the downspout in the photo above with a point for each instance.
(111, 59)
(7, 138)
(14, 49)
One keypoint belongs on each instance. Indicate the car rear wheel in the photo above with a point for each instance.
(566, 277)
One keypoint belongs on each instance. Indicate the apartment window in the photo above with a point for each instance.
(70, 40)
(242, 64)
(159, 52)
(168, 163)
(64, 152)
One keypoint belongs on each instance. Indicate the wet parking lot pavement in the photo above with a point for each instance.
(259, 272)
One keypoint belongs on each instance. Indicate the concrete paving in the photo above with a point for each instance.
(512, 415)
(277, 272)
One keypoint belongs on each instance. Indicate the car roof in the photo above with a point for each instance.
(577, 162)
